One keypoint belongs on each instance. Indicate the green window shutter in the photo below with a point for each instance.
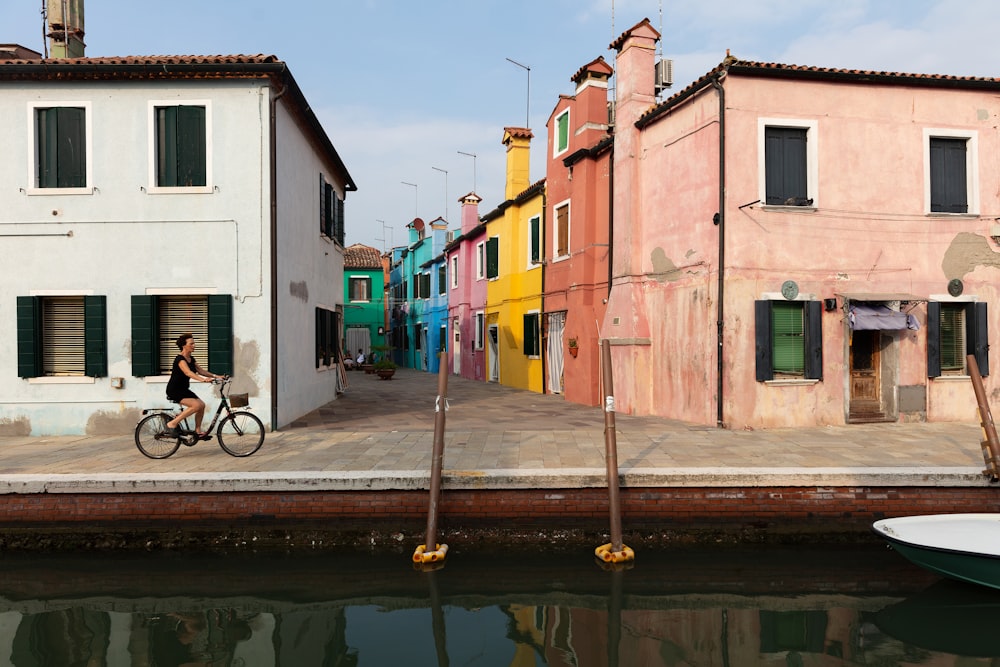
(978, 335)
(493, 257)
(47, 125)
(95, 336)
(787, 337)
(145, 335)
(933, 339)
(762, 340)
(536, 246)
(322, 204)
(813, 339)
(531, 334)
(785, 164)
(329, 210)
(948, 177)
(563, 132)
(339, 232)
(62, 147)
(220, 333)
(442, 278)
(29, 334)
(191, 152)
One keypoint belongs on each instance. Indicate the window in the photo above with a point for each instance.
(181, 146)
(493, 257)
(443, 340)
(61, 156)
(442, 278)
(480, 261)
(954, 331)
(359, 288)
(60, 336)
(562, 132)
(561, 231)
(327, 338)
(535, 239)
(157, 321)
(331, 212)
(788, 162)
(952, 173)
(789, 340)
(421, 285)
(480, 329)
(454, 271)
(532, 335)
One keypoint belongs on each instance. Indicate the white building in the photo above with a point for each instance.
(145, 197)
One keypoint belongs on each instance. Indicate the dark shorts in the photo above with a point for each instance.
(181, 395)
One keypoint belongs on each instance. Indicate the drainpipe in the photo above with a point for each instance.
(611, 221)
(273, 157)
(720, 220)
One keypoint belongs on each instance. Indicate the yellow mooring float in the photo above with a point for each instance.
(422, 555)
(605, 553)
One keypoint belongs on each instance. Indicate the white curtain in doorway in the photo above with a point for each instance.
(554, 351)
(358, 338)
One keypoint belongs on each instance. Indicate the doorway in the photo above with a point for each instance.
(866, 377)
(493, 337)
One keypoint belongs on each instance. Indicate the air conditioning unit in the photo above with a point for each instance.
(449, 236)
(664, 77)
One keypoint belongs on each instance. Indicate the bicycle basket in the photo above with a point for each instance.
(239, 400)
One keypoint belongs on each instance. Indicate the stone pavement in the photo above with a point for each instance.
(379, 434)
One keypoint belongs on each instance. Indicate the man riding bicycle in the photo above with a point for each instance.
(184, 370)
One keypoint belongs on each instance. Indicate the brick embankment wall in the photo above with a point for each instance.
(762, 510)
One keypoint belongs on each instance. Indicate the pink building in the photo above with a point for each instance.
(467, 294)
(800, 246)
(577, 250)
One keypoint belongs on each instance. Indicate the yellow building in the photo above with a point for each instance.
(512, 263)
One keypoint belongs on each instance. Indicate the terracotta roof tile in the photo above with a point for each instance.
(359, 256)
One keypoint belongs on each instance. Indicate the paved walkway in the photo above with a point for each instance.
(379, 434)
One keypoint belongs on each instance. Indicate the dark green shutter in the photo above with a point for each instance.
(492, 257)
(191, 152)
(145, 335)
(762, 339)
(339, 231)
(62, 148)
(29, 337)
(95, 337)
(535, 225)
(531, 334)
(813, 313)
(442, 278)
(220, 334)
(949, 189)
(933, 339)
(977, 333)
(322, 205)
(166, 149)
(785, 164)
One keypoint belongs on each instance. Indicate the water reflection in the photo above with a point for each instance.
(727, 607)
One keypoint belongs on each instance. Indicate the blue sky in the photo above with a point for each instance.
(402, 86)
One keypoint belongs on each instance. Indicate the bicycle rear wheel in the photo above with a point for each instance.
(241, 434)
(150, 437)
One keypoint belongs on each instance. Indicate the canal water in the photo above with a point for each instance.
(728, 606)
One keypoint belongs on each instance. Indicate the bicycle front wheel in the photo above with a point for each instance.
(150, 437)
(241, 434)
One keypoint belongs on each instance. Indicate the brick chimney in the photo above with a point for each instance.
(65, 33)
(591, 110)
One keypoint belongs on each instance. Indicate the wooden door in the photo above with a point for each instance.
(866, 400)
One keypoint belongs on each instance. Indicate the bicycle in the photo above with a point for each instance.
(240, 432)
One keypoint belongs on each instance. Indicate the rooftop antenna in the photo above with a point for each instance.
(527, 106)
(473, 156)
(414, 186)
(384, 227)
(45, 23)
(445, 172)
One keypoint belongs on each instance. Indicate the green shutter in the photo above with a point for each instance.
(72, 160)
(145, 346)
(339, 232)
(536, 249)
(493, 257)
(762, 340)
(95, 336)
(191, 169)
(563, 129)
(29, 333)
(531, 334)
(933, 339)
(220, 333)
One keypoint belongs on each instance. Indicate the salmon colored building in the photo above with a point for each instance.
(802, 246)
(577, 240)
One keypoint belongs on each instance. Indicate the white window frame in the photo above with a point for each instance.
(556, 257)
(151, 186)
(33, 188)
(812, 156)
(971, 168)
(481, 260)
(454, 271)
(349, 291)
(556, 149)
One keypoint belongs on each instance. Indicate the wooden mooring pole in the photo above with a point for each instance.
(990, 443)
(615, 551)
(430, 551)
